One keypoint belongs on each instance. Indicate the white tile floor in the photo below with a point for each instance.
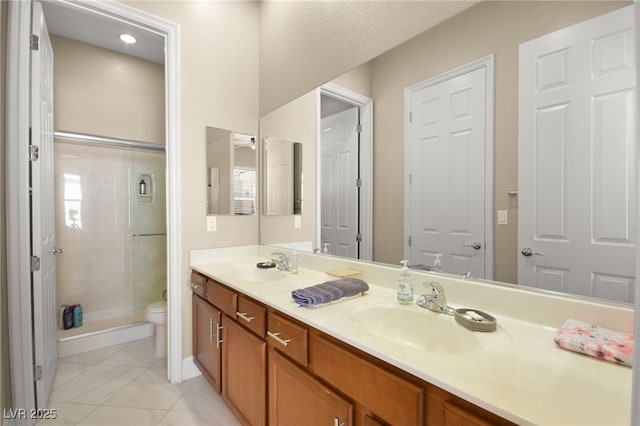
(126, 385)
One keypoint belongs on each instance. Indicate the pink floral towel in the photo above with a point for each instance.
(596, 341)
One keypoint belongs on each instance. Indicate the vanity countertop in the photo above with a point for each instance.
(518, 372)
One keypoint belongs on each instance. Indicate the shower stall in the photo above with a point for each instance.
(110, 206)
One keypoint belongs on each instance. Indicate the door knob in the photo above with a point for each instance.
(528, 252)
(475, 245)
(56, 251)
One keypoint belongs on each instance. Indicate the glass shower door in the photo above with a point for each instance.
(146, 239)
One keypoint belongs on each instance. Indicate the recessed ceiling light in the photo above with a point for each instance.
(128, 38)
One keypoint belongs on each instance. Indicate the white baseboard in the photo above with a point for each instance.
(189, 369)
(101, 339)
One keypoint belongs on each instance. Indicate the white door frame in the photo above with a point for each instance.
(18, 227)
(488, 62)
(366, 161)
(635, 393)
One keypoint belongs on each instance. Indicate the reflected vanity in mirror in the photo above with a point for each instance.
(282, 178)
(231, 172)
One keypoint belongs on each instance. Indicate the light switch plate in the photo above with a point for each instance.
(503, 217)
(211, 224)
(297, 221)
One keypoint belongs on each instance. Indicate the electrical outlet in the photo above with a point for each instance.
(211, 224)
(297, 221)
(503, 217)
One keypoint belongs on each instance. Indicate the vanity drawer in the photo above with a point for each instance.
(226, 300)
(288, 337)
(252, 315)
(402, 402)
(198, 283)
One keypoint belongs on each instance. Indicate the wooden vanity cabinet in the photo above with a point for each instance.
(383, 395)
(243, 372)
(206, 344)
(446, 409)
(273, 369)
(298, 398)
(242, 365)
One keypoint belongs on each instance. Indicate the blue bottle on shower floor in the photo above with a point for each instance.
(77, 315)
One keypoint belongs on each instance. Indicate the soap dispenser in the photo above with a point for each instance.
(437, 264)
(404, 289)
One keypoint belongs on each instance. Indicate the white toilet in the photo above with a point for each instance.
(156, 313)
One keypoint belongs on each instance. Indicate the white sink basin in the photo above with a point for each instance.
(421, 329)
(258, 274)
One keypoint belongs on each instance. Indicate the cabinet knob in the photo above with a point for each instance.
(336, 422)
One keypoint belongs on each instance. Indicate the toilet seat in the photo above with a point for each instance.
(160, 306)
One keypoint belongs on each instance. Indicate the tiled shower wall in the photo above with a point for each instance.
(103, 267)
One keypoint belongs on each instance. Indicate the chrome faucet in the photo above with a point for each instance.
(281, 260)
(468, 275)
(435, 300)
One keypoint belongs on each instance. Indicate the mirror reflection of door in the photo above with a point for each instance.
(445, 202)
(577, 179)
(339, 174)
(231, 172)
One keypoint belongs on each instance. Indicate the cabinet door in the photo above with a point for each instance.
(391, 398)
(296, 398)
(243, 372)
(206, 344)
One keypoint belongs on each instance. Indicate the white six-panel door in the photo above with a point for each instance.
(339, 201)
(279, 178)
(576, 152)
(445, 161)
(45, 342)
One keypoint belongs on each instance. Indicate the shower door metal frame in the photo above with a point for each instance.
(104, 140)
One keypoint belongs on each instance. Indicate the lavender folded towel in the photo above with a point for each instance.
(329, 291)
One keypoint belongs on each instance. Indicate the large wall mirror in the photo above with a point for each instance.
(231, 173)
(282, 177)
(490, 28)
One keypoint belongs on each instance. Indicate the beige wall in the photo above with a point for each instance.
(294, 122)
(489, 27)
(218, 88)
(305, 44)
(102, 92)
(5, 369)
(359, 80)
